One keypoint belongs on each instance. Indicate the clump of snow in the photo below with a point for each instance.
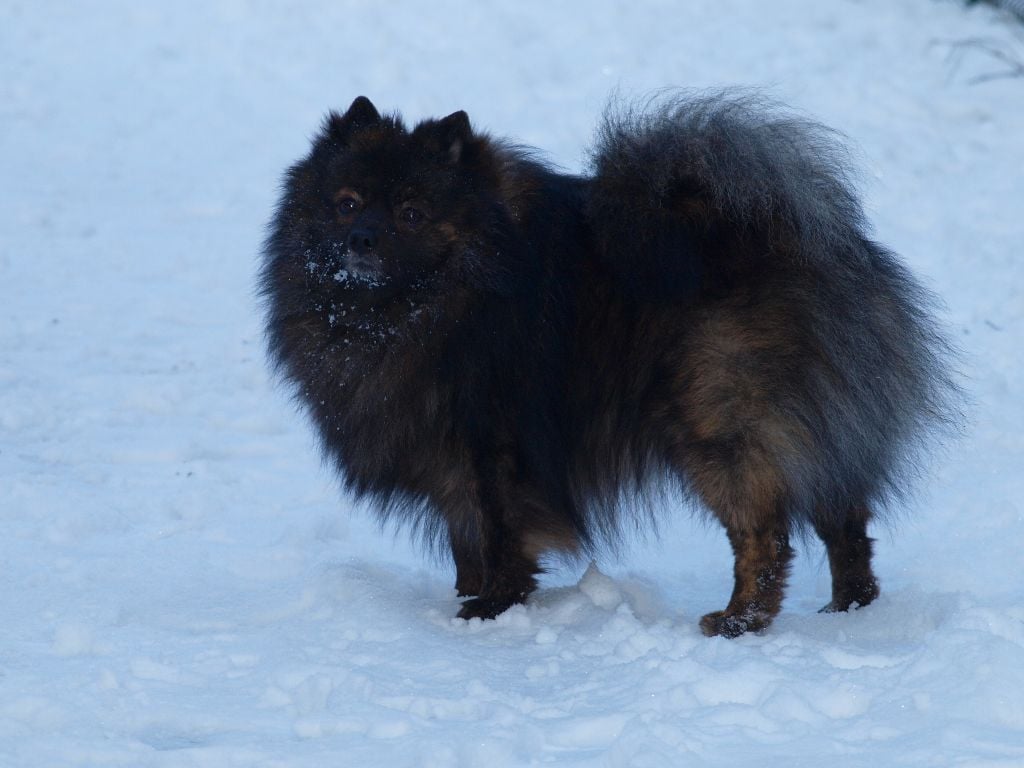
(601, 590)
(183, 584)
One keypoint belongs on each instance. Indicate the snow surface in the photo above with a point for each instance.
(183, 584)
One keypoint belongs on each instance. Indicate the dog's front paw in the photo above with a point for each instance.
(467, 585)
(484, 608)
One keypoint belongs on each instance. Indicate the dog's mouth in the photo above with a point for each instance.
(361, 270)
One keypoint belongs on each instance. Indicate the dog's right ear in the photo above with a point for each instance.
(362, 114)
(454, 132)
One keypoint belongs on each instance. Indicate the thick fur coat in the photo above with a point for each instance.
(500, 353)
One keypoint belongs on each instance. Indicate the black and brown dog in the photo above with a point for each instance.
(499, 352)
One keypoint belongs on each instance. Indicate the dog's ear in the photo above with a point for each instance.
(454, 132)
(450, 137)
(361, 114)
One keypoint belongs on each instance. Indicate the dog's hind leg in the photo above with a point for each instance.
(739, 483)
(849, 558)
(738, 479)
(762, 562)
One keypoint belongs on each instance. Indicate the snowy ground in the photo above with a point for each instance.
(181, 584)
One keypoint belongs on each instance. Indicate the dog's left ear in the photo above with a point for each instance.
(454, 133)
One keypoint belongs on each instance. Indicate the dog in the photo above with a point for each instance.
(497, 352)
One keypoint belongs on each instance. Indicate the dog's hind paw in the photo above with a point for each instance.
(725, 624)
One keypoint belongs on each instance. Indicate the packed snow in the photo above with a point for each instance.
(183, 582)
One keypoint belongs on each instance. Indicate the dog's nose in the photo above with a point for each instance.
(362, 240)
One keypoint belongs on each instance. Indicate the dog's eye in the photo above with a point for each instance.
(347, 205)
(411, 215)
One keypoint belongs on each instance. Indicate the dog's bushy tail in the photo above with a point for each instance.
(694, 194)
(678, 176)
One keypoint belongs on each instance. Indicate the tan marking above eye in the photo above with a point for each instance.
(347, 192)
(450, 232)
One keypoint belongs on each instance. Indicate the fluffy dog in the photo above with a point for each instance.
(500, 352)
